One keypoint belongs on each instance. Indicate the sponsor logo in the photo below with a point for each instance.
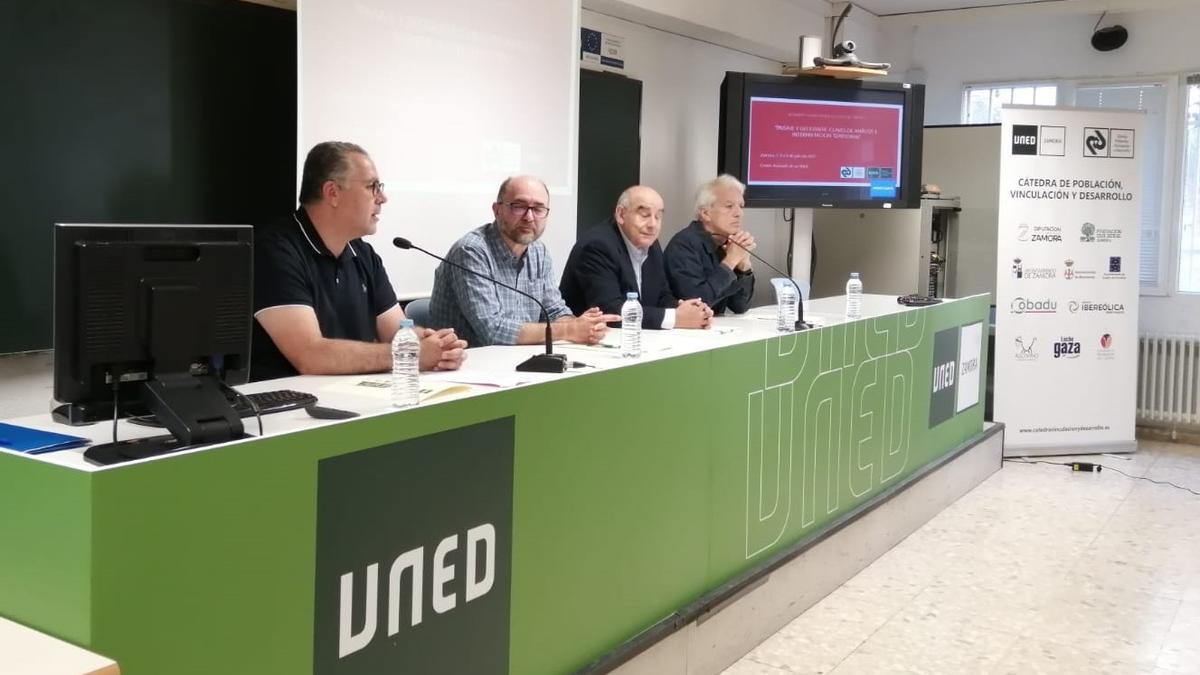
(1021, 305)
(1024, 139)
(1114, 268)
(1106, 347)
(1090, 234)
(1072, 272)
(1095, 142)
(1066, 348)
(1016, 268)
(1039, 233)
(1025, 351)
(1122, 143)
(1102, 142)
(1090, 307)
(1053, 141)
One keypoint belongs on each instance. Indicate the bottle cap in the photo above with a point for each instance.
(406, 323)
(631, 296)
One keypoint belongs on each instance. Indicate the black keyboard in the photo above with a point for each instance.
(268, 402)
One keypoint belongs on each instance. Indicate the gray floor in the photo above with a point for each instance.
(1037, 570)
(26, 385)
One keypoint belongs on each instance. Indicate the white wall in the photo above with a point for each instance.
(1031, 42)
(449, 99)
(1051, 41)
(681, 80)
(765, 28)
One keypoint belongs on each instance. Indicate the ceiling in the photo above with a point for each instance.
(900, 7)
(890, 7)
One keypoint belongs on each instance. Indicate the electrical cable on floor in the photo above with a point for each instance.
(1089, 466)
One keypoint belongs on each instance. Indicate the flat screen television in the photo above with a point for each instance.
(820, 142)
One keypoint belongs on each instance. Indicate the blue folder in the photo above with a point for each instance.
(36, 441)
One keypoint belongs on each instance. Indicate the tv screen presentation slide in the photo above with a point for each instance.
(825, 143)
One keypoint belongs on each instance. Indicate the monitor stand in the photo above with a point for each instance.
(194, 410)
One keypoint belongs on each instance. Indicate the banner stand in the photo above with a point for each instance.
(1067, 280)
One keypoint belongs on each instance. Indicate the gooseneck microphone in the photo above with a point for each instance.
(539, 363)
(800, 324)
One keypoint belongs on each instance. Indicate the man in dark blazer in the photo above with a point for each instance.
(622, 255)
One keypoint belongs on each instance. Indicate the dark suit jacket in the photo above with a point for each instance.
(599, 274)
(695, 270)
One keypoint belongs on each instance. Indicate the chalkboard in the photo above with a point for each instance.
(135, 111)
(610, 143)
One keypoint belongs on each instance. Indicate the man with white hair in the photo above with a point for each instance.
(710, 258)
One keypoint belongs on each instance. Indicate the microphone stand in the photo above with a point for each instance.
(549, 362)
(800, 324)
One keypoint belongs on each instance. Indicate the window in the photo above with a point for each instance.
(981, 103)
(1151, 98)
(1189, 203)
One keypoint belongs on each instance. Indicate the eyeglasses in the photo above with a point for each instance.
(519, 209)
(376, 187)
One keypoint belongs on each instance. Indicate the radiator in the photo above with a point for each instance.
(1168, 369)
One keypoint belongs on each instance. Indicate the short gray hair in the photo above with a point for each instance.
(706, 196)
(328, 161)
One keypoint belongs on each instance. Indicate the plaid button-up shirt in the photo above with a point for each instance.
(483, 313)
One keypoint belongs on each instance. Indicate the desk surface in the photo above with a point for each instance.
(24, 651)
(490, 364)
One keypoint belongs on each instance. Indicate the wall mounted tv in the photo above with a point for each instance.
(820, 142)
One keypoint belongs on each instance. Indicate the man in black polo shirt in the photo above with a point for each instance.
(322, 301)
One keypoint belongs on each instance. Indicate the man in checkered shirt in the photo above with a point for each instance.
(507, 249)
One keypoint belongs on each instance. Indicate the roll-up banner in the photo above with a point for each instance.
(1067, 280)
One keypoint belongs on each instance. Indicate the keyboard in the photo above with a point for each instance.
(268, 402)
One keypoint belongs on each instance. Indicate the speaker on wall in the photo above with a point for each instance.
(1108, 38)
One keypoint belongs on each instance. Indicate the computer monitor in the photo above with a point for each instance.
(152, 319)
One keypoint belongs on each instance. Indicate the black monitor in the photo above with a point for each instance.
(820, 142)
(152, 319)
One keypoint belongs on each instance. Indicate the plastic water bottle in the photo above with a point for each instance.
(631, 327)
(854, 297)
(406, 355)
(785, 320)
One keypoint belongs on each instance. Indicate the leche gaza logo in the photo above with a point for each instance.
(1089, 307)
(1025, 352)
(1066, 347)
(1021, 305)
(1039, 233)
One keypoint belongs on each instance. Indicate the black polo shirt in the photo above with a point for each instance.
(292, 266)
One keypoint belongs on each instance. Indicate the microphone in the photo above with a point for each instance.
(538, 363)
(800, 325)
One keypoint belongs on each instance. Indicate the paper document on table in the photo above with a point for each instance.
(381, 387)
(486, 378)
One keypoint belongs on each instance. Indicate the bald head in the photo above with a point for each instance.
(521, 207)
(639, 214)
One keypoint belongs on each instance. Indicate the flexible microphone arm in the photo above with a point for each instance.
(540, 363)
(800, 324)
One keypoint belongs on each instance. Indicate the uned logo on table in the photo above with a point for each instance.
(414, 549)
(955, 377)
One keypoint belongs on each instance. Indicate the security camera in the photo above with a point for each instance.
(843, 48)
